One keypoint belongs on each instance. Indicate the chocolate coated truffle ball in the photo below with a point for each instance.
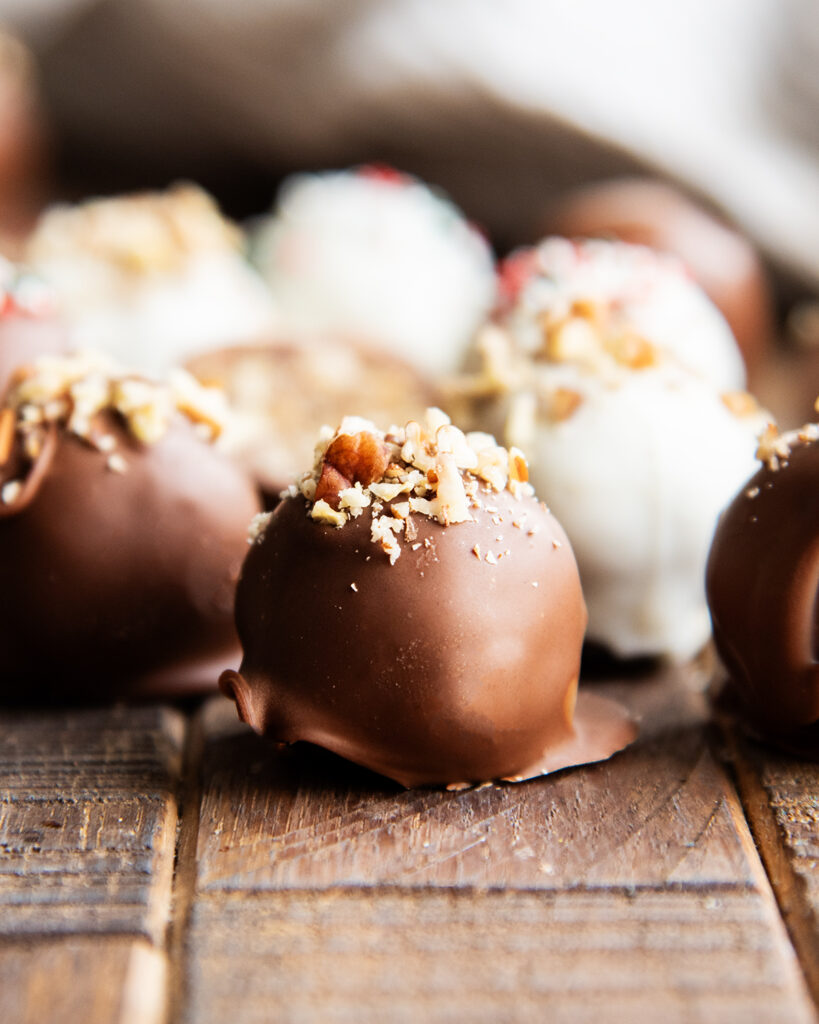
(415, 609)
(121, 536)
(281, 394)
(651, 213)
(763, 591)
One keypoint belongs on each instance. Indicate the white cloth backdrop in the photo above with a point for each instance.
(500, 101)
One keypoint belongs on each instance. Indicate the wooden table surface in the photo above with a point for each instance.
(165, 864)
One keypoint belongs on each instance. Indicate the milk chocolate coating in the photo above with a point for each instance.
(24, 338)
(121, 584)
(646, 212)
(440, 668)
(763, 592)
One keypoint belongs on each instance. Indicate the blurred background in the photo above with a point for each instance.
(507, 106)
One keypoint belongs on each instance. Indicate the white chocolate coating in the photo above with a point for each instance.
(379, 257)
(650, 292)
(151, 279)
(621, 383)
(638, 473)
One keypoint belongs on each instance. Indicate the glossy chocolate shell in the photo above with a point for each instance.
(763, 591)
(445, 667)
(120, 583)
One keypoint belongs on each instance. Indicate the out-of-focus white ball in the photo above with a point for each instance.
(637, 466)
(379, 256)
(152, 278)
(622, 384)
(636, 289)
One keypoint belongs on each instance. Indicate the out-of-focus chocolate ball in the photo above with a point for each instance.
(121, 538)
(281, 394)
(426, 623)
(763, 591)
(651, 213)
(24, 144)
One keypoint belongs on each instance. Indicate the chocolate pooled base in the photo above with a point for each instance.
(120, 584)
(439, 669)
(763, 592)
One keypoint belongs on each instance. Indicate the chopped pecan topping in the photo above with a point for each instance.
(632, 350)
(740, 403)
(428, 468)
(518, 467)
(351, 459)
(562, 404)
(73, 391)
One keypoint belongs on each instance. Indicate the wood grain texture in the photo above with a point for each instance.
(82, 980)
(88, 820)
(370, 956)
(660, 813)
(628, 891)
(781, 798)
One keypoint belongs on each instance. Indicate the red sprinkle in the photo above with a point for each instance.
(514, 272)
(382, 172)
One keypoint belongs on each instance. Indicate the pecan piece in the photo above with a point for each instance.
(7, 431)
(562, 404)
(740, 403)
(351, 459)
